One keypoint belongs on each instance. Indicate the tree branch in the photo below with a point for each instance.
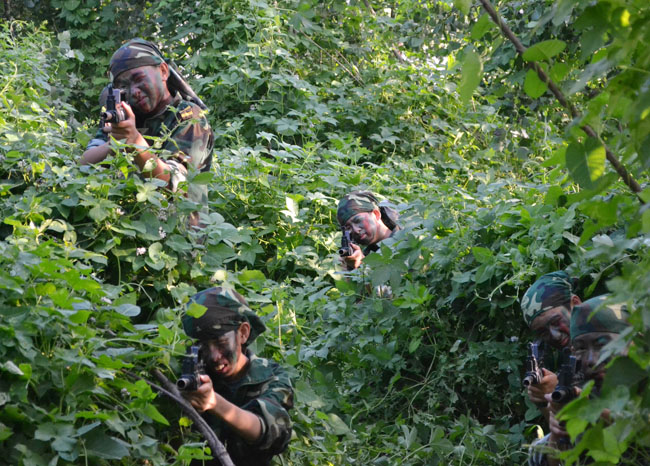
(169, 389)
(618, 166)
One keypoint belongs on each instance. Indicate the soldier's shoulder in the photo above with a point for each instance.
(187, 110)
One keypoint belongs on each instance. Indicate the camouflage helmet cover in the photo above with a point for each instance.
(135, 53)
(354, 203)
(551, 290)
(226, 310)
(594, 316)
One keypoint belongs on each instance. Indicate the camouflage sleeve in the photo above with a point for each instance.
(536, 455)
(99, 139)
(272, 406)
(190, 145)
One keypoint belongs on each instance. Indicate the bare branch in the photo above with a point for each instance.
(620, 169)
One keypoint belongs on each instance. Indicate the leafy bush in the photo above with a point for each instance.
(309, 101)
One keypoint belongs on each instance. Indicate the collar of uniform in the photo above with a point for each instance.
(259, 370)
(176, 99)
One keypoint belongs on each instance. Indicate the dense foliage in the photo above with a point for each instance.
(427, 104)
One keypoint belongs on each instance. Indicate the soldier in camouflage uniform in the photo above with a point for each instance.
(546, 307)
(168, 133)
(245, 398)
(593, 325)
(368, 222)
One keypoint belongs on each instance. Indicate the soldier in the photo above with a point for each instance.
(245, 398)
(368, 223)
(593, 325)
(158, 104)
(546, 307)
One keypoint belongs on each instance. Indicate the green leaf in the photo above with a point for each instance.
(482, 255)
(203, 178)
(129, 310)
(533, 86)
(482, 26)
(151, 411)
(586, 163)
(544, 50)
(463, 5)
(250, 276)
(196, 310)
(559, 71)
(100, 444)
(472, 70)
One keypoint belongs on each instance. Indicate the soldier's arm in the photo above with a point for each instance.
(95, 154)
(244, 423)
(148, 162)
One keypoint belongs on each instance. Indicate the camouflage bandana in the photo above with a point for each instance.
(551, 290)
(593, 316)
(355, 203)
(227, 309)
(133, 54)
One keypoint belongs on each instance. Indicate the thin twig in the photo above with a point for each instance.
(354, 75)
(618, 166)
(397, 52)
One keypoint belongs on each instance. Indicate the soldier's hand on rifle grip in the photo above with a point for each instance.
(204, 397)
(537, 392)
(354, 260)
(126, 130)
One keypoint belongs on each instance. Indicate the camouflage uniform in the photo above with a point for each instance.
(591, 316)
(180, 134)
(266, 391)
(265, 388)
(551, 290)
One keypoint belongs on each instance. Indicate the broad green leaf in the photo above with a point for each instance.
(482, 26)
(196, 310)
(586, 163)
(533, 86)
(248, 276)
(203, 178)
(472, 70)
(559, 71)
(129, 310)
(463, 5)
(544, 50)
(482, 255)
(151, 411)
(101, 444)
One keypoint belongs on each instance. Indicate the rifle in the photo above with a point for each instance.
(534, 363)
(112, 113)
(192, 369)
(566, 379)
(346, 249)
(565, 389)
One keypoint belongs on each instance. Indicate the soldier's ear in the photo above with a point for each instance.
(377, 214)
(575, 300)
(164, 71)
(244, 332)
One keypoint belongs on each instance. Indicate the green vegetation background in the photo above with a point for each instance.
(425, 103)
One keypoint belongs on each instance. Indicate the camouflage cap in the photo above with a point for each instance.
(354, 203)
(594, 316)
(551, 290)
(133, 54)
(227, 309)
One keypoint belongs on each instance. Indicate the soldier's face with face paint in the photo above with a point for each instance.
(146, 88)
(364, 227)
(553, 326)
(587, 349)
(223, 356)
